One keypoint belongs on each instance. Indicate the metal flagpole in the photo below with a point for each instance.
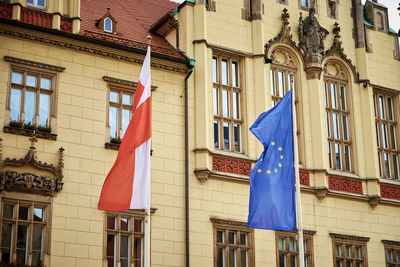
(148, 212)
(296, 166)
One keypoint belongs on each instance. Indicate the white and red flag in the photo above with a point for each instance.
(127, 185)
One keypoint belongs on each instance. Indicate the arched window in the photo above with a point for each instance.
(379, 22)
(337, 116)
(108, 25)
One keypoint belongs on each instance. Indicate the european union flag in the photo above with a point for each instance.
(272, 198)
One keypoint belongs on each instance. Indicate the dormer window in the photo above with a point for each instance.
(108, 25)
(36, 3)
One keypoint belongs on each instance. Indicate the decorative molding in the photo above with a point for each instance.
(321, 192)
(374, 201)
(390, 191)
(391, 242)
(349, 237)
(28, 182)
(231, 165)
(66, 25)
(28, 132)
(228, 222)
(34, 64)
(124, 82)
(89, 50)
(345, 184)
(37, 18)
(5, 11)
(304, 177)
(337, 50)
(202, 175)
(224, 49)
(111, 146)
(305, 232)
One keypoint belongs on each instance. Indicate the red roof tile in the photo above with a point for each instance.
(134, 20)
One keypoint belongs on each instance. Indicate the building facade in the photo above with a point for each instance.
(67, 79)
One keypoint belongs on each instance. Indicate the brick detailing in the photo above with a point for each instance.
(236, 166)
(36, 18)
(5, 11)
(344, 184)
(66, 25)
(390, 191)
(304, 178)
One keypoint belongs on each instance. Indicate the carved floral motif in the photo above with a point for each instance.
(66, 25)
(37, 18)
(5, 11)
(390, 191)
(304, 178)
(344, 184)
(230, 165)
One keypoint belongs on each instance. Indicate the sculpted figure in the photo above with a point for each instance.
(311, 34)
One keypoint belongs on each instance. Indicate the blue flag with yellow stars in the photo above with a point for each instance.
(272, 188)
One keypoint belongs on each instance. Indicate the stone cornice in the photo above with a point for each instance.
(391, 242)
(124, 82)
(53, 41)
(228, 222)
(35, 64)
(349, 237)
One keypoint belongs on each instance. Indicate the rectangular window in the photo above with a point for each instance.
(124, 239)
(349, 250)
(338, 128)
(386, 134)
(392, 253)
(31, 100)
(305, 3)
(287, 248)
(233, 244)
(36, 3)
(24, 231)
(120, 111)
(227, 103)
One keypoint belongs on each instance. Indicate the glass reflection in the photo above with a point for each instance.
(44, 109)
(30, 100)
(15, 104)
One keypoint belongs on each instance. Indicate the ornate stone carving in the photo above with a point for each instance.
(390, 191)
(349, 237)
(284, 36)
(337, 50)
(281, 56)
(202, 175)
(335, 70)
(231, 165)
(321, 193)
(374, 201)
(228, 222)
(29, 132)
(304, 177)
(344, 184)
(30, 175)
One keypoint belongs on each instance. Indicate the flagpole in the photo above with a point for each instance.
(296, 166)
(148, 211)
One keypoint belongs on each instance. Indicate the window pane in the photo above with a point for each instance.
(124, 251)
(110, 222)
(337, 156)
(382, 107)
(36, 244)
(376, 114)
(292, 244)
(107, 25)
(347, 157)
(236, 132)
(291, 80)
(110, 250)
(31, 80)
(226, 136)
(137, 252)
(21, 243)
(243, 258)
(30, 100)
(225, 72)
(113, 122)
(380, 163)
(236, 105)
(333, 96)
(293, 261)
(338, 250)
(281, 83)
(215, 101)
(328, 128)
(124, 224)
(326, 95)
(114, 96)
(6, 242)
(235, 74)
(41, 3)
(390, 108)
(225, 103)
(343, 97)
(335, 123)
(272, 80)
(344, 127)
(8, 211)
(384, 136)
(126, 117)
(377, 134)
(232, 257)
(386, 159)
(38, 214)
(220, 257)
(393, 137)
(23, 213)
(220, 236)
(44, 109)
(16, 77)
(216, 134)
(305, 3)
(215, 69)
(138, 226)
(45, 83)
(126, 99)
(232, 238)
(330, 155)
(281, 243)
(358, 252)
(282, 260)
(15, 104)
(243, 239)
(395, 167)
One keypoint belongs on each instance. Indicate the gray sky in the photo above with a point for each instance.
(392, 5)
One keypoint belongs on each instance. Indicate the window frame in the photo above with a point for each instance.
(379, 134)
(132, 215)
(307, 237)
(36, 5)
(231, 89)
(111, 25)
(238, 228)
(353, 241)
(393, 246)
(31, 200)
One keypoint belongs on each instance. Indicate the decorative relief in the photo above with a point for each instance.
(236, 166)
(5, 11)
(344, 184)
(304, 178)
(30, 175)
(349, 237)
(66, 25)
(34, 64)
(228, 222)
(124, 82)
(86, 49)
(37, 18)
(29, 132)
(283, 57)
(334, 70)
(390, 191)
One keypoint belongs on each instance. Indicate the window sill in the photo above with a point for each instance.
(112, 146)
(28, 132)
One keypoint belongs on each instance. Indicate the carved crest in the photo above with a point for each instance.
(30, 175)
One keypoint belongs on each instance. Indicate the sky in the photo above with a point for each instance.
(392, 5)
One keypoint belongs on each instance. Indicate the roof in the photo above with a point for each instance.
(134, 20)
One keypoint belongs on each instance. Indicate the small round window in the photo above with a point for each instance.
(108, 25)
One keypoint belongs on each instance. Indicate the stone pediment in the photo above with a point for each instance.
(29, 175)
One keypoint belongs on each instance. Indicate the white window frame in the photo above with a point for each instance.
(35, 4)
(111, 25)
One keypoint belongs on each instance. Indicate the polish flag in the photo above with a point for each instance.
(127, 185)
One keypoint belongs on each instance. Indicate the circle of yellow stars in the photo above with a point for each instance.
(279, 164)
